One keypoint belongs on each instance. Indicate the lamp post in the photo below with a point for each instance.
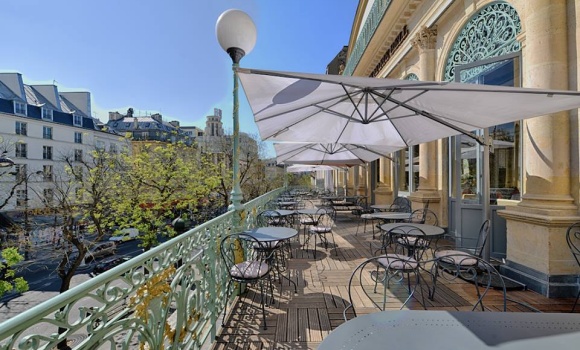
(236, 34)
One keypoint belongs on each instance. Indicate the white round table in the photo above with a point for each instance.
(456, 330)
(282, 212)
(390, 216)
(272, 233)
(429, 230)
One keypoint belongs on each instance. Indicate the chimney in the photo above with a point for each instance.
(114, 116)
(157, 117)
(175, 123)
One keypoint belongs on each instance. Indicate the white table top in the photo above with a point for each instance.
(390, 215)
(429, 230)
(271, 233)
(310, 211)
(384, 206)
(456, 330)
(282, 212)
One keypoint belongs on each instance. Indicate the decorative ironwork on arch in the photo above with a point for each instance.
(491, 32)
(412, 76)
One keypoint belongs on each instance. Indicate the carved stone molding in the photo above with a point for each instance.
(426, 38)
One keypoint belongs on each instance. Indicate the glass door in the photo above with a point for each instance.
(466, 159)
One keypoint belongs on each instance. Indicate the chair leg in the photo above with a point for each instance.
(263, 304)
(334, 244)
(226, 303)
(576, 302)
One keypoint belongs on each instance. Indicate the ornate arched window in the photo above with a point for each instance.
(412, 76)
(490, 33)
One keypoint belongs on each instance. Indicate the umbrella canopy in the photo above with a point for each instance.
(298, 168)
(329, 153)
(303, 107)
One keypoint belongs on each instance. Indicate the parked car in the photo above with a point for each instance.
(101, 250)
(125, 235)
(109, 263)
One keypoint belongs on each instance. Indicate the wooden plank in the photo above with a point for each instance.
(292, 325)
(281, 327)
(303, 334)
(314, 330)
(324, 320)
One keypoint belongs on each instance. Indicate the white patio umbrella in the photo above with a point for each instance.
(398, 113)
(329, 153)
(299, 168)
(301, 107)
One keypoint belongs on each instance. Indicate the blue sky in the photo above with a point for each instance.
(163, 56)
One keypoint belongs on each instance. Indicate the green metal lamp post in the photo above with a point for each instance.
(236, 34)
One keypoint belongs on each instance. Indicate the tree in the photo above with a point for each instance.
(8, 279)
(83, 193)
(253, 178)
(162, 181)
(10, 255)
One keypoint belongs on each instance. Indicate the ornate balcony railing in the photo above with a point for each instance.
(169, 297)
(378, 10)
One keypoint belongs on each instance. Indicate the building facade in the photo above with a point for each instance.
(39, 127)
(534, 184)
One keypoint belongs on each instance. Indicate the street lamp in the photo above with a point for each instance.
(5, 162)
(236, 34)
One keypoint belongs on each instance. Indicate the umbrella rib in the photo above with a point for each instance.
(326, 109)
(439, 120)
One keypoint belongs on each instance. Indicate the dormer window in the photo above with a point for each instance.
(46, 114)
(77, 120)
(19, 108)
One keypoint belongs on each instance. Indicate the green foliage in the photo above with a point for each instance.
(8, 281)
(164, 180)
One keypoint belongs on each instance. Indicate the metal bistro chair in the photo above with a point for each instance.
(469, 268)
(270, 218)
(388, 269)
(573, 240)
(324, 221)
(254, 269)
(401, 204)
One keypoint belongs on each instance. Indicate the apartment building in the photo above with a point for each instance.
(39, 127)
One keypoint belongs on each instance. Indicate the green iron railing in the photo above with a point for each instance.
(169, 297)
(378, 10)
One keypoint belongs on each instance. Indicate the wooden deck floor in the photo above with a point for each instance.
(302, 320)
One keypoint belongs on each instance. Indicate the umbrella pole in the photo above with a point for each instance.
(485, 191)
(396, 177)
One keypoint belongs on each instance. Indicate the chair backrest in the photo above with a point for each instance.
(424, 216)
(409, 239)
(369, 285)
(237, 248)
(430, 218)
(473, 269)
(573, 240)
(403, 204)
(482, 238)
(269, 218)
(324, 216)
(417, 216)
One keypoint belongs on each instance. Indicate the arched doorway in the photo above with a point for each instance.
(485, 52)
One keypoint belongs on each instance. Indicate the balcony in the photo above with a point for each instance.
(172, 297)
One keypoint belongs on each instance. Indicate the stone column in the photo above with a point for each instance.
(384, 191)
(364, 180)
(537, 253)
(425, 42)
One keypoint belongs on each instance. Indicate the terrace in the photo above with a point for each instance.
(173, 297)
